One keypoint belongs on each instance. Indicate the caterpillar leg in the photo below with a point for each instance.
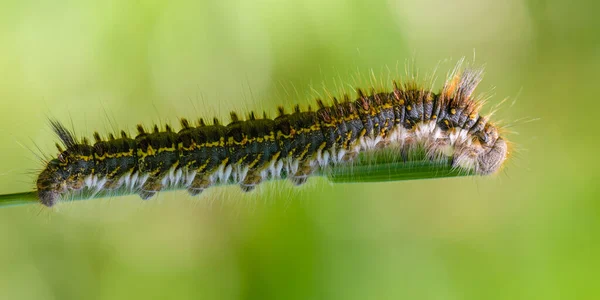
(112, 184)
(349, 156)
(150, 188)
(251, 180)
(199, 184)
(301, 176)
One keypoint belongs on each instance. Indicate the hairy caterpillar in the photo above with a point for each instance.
(246, 152)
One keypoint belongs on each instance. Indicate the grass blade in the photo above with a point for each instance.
(382, 166)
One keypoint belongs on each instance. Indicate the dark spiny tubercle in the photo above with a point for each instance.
(255, 143)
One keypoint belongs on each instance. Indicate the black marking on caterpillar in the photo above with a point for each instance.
(294, 144)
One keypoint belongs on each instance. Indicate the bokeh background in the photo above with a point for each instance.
(530, 232)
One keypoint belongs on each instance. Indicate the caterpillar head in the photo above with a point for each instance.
(68, 171)
(50, 183)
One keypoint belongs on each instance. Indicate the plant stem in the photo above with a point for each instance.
(18, 199)
(379, 167)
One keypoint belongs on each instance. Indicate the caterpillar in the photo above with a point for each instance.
(249, 151)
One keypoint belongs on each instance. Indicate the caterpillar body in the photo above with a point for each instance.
(292, 145)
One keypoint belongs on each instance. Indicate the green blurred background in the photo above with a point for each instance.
(531, 232)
